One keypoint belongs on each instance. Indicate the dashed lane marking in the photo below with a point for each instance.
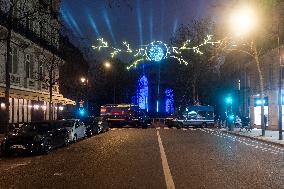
(167, 172)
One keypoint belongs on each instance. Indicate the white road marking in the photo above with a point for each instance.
(184, 129)
(57, 174)
(17, 165)
(157, 128)
(167, 172)
(166, 128)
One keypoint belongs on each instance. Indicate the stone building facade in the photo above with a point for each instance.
(34, 43)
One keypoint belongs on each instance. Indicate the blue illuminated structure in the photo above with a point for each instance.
(143, 93)
(169, 101)
(156, 51)
(82, 112)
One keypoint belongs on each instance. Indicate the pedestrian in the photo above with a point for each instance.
(265, 120)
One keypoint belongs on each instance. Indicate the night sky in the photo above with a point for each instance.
(143, 22)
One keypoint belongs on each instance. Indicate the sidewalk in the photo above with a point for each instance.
(270, 136)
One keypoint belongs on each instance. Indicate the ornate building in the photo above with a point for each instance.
(34, 60)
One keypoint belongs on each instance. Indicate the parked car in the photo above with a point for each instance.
(35, 137)
(93, 125)
(76, 129)
(103, 124)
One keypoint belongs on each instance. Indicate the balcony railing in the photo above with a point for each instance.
(29, 34)
(30, 83)
(15, 79)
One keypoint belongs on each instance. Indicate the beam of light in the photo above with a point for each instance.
(162, 8)
(151, 25)
(93, 24)
(109, 26)
(157, 108)
(65, 17)
(139, 21)
(175, 25)
(72, 22)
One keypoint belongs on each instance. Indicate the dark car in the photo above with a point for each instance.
(93, 125)
(103, 124)
(35, 137)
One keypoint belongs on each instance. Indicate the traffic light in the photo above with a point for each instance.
(82, 112)
(229, 100)
(231, 117)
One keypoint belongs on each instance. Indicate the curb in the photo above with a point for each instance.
(253, 138)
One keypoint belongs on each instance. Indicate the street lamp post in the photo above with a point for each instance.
(279, 89)
(108, 66)
(243, 21)
(84, 83)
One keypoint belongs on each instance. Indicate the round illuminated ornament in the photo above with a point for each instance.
(156, 51)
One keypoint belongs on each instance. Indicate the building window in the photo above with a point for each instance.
(248, 81)
(14, 61)
(239, 84)
(28, 65)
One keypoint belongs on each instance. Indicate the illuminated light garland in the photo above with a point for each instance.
(180, 59)
(128, 47)
(135, 63)
(155, 51)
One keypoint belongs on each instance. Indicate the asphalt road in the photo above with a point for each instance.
(151, 158)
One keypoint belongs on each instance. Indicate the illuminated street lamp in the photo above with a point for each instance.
(243, 21)
(107, 65)
(83, 79)
(84, 88)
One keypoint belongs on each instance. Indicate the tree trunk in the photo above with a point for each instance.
(7, 82)
(50, 95)
(261, 89)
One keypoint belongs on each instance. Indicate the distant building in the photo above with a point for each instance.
(35, 41)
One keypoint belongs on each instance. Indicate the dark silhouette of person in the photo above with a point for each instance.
(265, 120)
